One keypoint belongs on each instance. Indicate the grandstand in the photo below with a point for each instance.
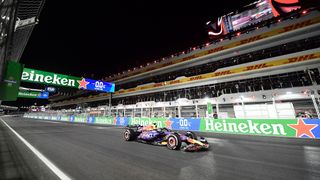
(274, 63)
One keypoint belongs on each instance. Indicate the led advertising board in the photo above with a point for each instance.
(256, 12)
(49, 78)
(33, 94)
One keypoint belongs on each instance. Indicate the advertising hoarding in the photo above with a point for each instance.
(49, 78)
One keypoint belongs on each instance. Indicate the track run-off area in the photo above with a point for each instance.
(39, 149)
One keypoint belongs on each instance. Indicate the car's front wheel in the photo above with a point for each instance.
(174, 142)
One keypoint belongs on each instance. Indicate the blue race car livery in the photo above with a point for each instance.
(150, 134)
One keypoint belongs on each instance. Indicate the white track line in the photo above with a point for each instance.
(46, 161)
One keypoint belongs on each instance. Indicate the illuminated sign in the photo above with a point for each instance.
(43, 77)
(100, 86)
(281, 7)
(51, 89)
(33, 94)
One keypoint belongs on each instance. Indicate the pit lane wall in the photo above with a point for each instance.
(296, 128)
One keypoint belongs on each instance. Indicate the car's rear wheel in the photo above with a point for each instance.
(129, 135)
(174, 142)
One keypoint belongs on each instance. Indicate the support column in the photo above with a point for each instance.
(315, 105)
(117, 112)
(197, 112)
(217, 108)
(110, 98)
(179, 111)
(152, 115)
(243, 108)
(275, 107)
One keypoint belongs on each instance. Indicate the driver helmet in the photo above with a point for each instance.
(188, 134)
(202, 139)
(154, 125)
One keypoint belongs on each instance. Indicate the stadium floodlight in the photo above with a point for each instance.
(304, 12)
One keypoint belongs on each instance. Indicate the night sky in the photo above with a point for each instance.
(103, 37)
(82, 39)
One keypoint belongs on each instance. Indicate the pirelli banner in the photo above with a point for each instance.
(292, 128)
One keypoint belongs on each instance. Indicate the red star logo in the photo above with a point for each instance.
(168, 124)
(83, 83)
(303, 129)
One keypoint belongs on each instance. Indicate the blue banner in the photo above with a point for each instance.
(90, 119)
(43, 95)
(99, 85)
(314, 125)
(50, 89)
(71, 118)
(187, 124)
(122, 121)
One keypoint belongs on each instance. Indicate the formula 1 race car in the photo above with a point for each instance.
(150, 134)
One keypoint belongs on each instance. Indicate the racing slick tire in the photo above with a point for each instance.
(174, 142)
(129, 135)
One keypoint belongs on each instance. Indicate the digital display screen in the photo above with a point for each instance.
(99, 85)
(256, 12)
(261, 12)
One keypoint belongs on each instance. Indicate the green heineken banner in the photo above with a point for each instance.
(43, 77)
(33, 94)
(305, 128)
(297, 128)
(9, 87)
(105, 120)
(161, 122)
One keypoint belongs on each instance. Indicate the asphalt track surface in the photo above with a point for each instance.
(99, 152)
